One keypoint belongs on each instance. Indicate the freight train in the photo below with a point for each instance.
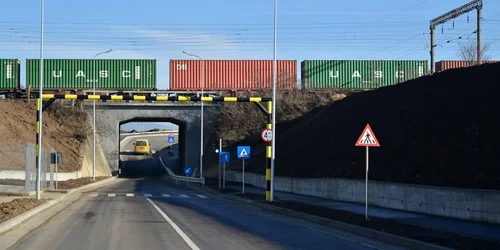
(221, 77)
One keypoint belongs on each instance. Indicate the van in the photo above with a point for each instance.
(141, 147)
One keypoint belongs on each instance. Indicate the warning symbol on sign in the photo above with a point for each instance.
(367, 138)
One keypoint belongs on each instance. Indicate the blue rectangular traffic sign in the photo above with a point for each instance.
(243, 152)
(224, 157)
(171, 139)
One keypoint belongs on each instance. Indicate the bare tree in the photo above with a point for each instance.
(468, 51)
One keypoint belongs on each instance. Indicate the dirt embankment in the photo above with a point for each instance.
(436, 130)
(64, 129)
(235, 122)
(11, 209)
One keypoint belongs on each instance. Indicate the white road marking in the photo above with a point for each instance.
(165, 195)
(147, 195)
(183, 196)
(94, 195)
(176, 228)
(130, 195)
(201, 196)
(111, 195)
(364, 244)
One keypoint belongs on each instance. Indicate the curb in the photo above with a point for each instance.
(370, 233)
(9, 224)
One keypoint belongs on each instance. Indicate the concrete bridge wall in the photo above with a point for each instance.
(109, 118)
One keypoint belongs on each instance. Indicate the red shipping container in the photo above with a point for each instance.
(232, 74)
(453, 64)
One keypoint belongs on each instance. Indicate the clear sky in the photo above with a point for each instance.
(223, 29)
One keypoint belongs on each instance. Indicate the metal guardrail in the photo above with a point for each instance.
(181, 178)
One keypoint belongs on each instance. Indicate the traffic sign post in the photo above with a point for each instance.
(171, 139)
(266, 135)
(243, 153)
(224, 157)
(367, 139)
(218, 151)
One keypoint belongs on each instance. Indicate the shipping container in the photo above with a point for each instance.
(359, 74)
(453, 64)
(10, 74)
(232, 74)
(79, 74)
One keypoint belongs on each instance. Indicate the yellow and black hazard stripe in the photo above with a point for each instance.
(37, 141)
(155, 98)
(269, 152)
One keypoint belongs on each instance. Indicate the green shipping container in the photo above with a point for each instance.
(10, 73)
(79, 74)
(359, 74)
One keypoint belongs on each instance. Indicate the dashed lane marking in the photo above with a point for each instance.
(173, 196)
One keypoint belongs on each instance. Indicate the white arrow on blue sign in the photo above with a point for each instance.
(188, 170)
(243, 152)
(224, 157)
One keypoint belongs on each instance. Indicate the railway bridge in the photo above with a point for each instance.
(109, 117)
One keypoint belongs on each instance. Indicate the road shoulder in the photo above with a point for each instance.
(362, 231)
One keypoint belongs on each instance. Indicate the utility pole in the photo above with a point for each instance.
(476, 4)
(479, 50)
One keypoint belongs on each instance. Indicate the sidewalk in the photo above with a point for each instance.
(468, 228)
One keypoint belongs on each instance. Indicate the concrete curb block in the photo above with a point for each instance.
(9, 224)
(370, 233)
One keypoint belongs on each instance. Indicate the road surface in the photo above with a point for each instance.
(151, 214)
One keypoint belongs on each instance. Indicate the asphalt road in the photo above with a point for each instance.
(151, 214)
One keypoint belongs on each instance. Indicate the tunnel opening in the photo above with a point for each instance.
(147, 142)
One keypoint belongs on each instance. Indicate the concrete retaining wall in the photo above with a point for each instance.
(468, 204)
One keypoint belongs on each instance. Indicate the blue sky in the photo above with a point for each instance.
(222, 29)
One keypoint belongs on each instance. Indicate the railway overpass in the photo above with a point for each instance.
(109, 117)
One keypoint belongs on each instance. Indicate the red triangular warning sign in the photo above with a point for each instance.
(367, 138)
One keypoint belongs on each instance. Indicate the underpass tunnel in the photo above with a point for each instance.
(144, 140)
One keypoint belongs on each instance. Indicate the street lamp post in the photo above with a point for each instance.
(39, 128)
(201, 117)
(273, 124)
(93, 110)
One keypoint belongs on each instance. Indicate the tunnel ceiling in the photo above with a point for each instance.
(154, 119)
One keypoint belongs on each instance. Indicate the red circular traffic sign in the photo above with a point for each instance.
(266, 135)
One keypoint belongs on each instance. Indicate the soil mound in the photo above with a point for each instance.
(435, 130)
(64, 129)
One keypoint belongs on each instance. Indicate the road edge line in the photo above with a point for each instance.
(177, 229)
(366, 232)
(19, 219)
